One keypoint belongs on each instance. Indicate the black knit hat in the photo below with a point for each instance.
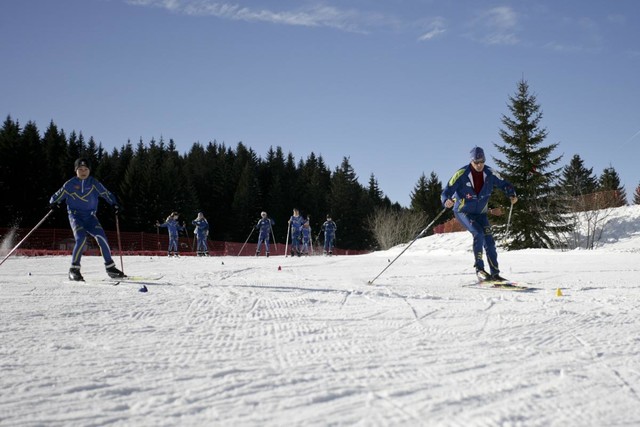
(81, 162)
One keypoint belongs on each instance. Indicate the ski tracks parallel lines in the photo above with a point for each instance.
(598, 359)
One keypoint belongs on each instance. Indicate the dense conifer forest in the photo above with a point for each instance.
(231, 185)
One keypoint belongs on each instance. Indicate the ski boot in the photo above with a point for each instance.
(74, 274)
(498, 278)
(114, 273)
(482, 274)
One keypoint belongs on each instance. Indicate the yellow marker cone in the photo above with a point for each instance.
(558, 292)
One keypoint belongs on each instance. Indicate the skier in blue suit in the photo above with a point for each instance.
(81, 195)
(264, 225)
(202, 231)
(306, 237)
(296, 222)
(468, 192)
(173, 227)
(329, 228)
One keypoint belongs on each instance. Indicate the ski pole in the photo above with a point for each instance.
(310, 235)
(119, 242)
(422, 233)
(245, 242)
(509, 220)
(275, 245)
(15, 248)
(286, 242)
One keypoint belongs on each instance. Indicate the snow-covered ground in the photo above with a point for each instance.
(306, 341)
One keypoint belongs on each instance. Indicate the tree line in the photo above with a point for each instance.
(232, 185)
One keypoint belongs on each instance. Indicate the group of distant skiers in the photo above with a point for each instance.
(467, 194)
(299, 230)
(173, 227)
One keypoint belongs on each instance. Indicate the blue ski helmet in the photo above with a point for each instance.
(477, 154)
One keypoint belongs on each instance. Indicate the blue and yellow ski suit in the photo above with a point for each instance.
(471, 208)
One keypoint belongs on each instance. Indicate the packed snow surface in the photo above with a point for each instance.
(307, 341)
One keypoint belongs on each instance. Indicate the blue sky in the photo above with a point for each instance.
(400, 87)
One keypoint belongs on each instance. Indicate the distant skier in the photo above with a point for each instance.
(202, 232)
(306, 237)
(174, 228)
(264, 225)
(81, 194)
(329, 228)
(295, 222)
(468, 192)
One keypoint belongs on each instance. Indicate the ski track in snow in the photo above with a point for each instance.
(236, 341)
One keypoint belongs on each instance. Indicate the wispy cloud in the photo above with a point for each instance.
(436, 28)
(496, 26)
(309, 16)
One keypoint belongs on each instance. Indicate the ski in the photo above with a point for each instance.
(117, 281)
(150, 278)
(505, 285)
(110, 282)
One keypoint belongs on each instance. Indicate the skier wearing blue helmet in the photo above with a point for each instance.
(468, 192)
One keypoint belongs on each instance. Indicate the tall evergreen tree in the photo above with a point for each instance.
(576, 179)
(610, 181)
(55, 148)
(375, 194)
(314, 178)
(420, 195)
(350, 207)
(426, 198)
(10, 139)
(636, 195)
(139, 199)
(538, 217)
(32, 197)
(219, 199)
(246, 202)
(58, 169)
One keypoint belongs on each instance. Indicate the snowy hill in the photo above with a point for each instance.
(306, 341)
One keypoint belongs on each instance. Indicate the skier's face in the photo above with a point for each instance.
(83, 172)
(477, 165)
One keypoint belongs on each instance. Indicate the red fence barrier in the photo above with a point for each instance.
(56, 241)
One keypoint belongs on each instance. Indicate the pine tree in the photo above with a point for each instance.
(636, 195)
(375, 193)
(538, 217)
(576, 179)
(247, 198)
(610, 182)
(350, 207)
(426, 198)
(420, 196)
(10, 177)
